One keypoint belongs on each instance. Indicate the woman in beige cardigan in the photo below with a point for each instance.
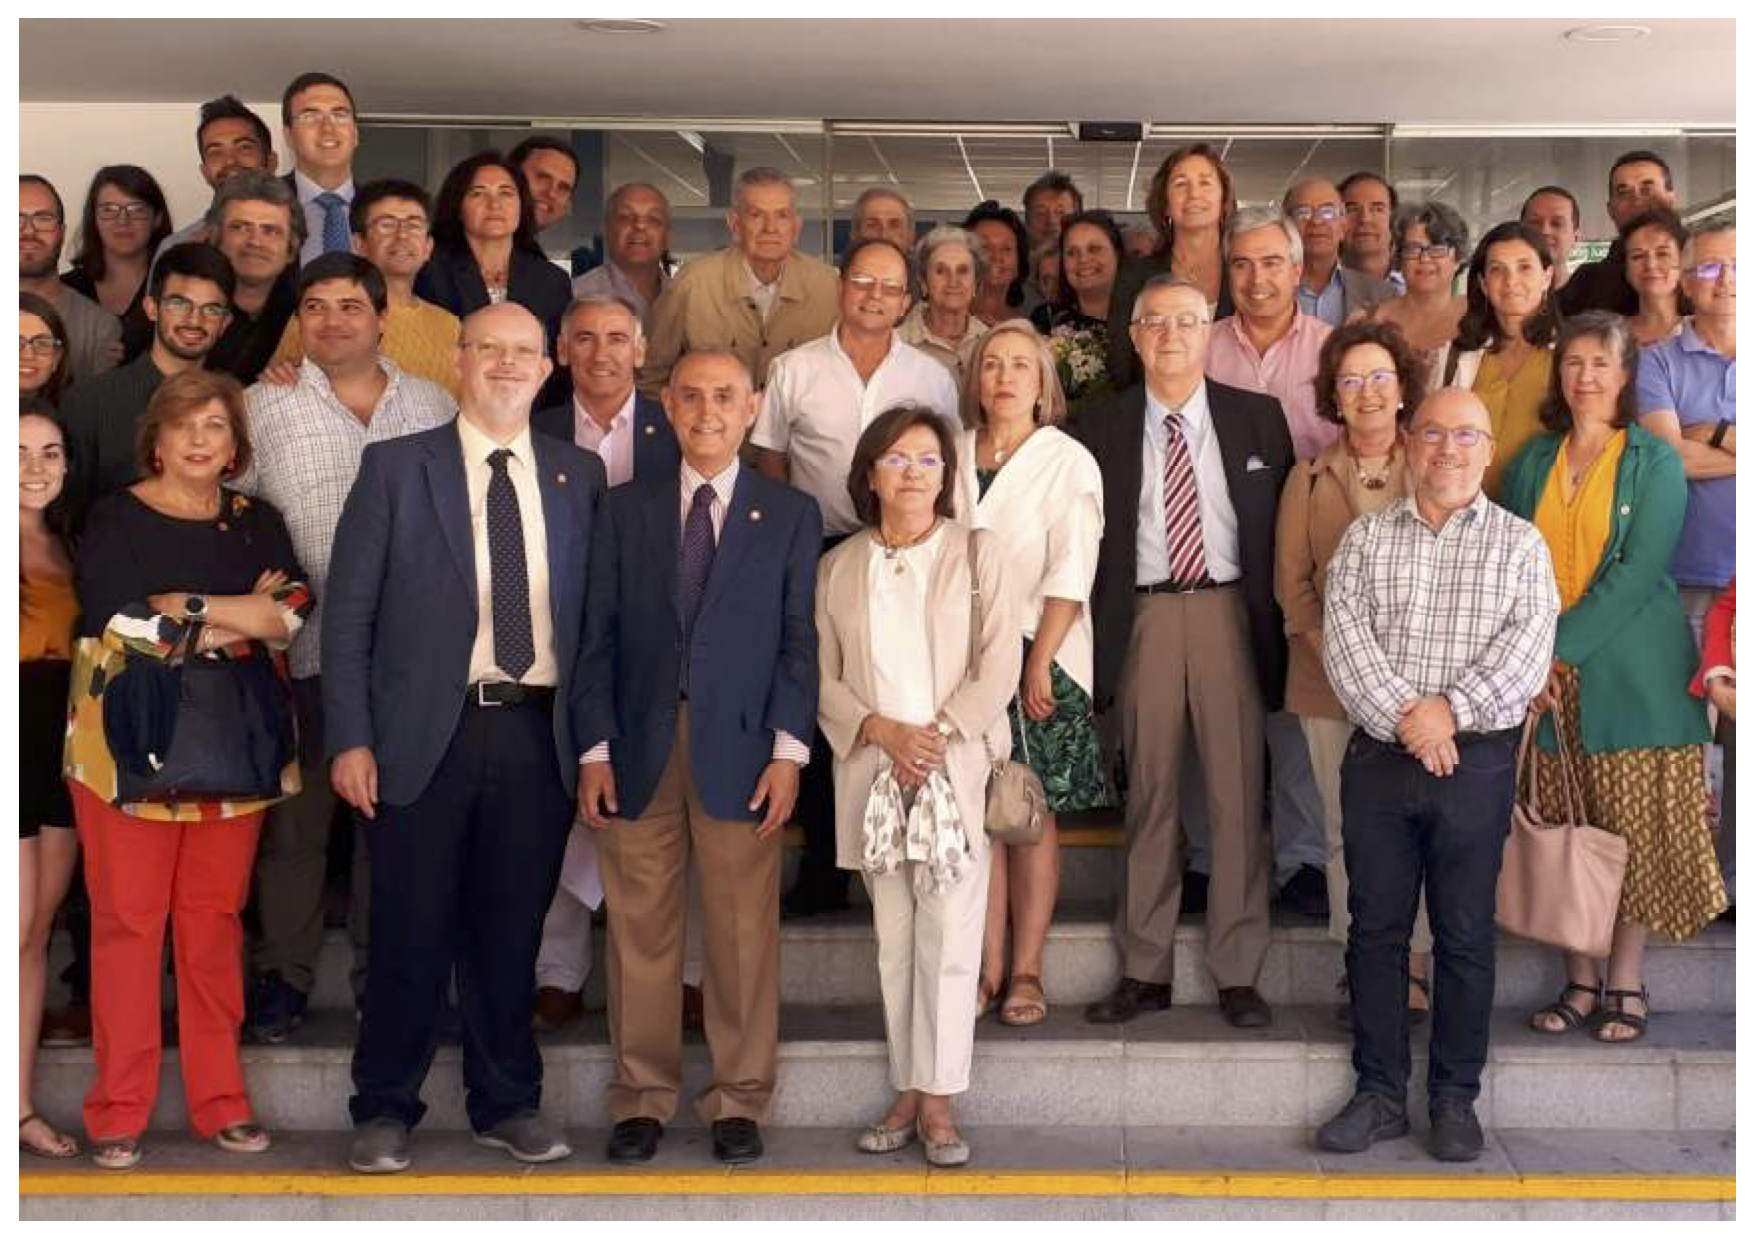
(911, 726)
(1369, 381)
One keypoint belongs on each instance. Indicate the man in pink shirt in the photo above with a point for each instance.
(1269, 345)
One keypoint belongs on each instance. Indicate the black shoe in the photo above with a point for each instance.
(1194, 889)
(1455, 1135)
(1130, 998)
(634, 1140)
(736, 1140)
(1244, 1008)
(276, 1009)
(1363, 1121)
(1305, 894)
(812, 896)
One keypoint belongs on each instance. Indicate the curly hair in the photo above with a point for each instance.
(1408, 366)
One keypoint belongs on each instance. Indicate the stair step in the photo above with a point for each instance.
(1021, 1172)
(1182, 1067)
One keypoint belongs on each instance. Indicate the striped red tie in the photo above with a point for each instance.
(1181, 509)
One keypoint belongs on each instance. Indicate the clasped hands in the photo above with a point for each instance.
(916, 750)
(1427, 729)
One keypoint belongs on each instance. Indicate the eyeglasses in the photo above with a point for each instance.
(493, 352)
(42, 346)
(1351, 385)
(1161, 324)
(1461, 437)
(212, 311)
(310, 118)
(39, 221)
(133, 212)
(866, 284)
(1326, 213)
(387, 226)
(1412, 251)
(1711, 272)
(900, 460)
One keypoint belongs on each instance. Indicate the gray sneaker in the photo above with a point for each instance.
(528, 1136)
(380, 1146)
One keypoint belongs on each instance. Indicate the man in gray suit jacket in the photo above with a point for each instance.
(1329, 291)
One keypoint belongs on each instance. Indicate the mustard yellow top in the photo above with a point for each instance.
(1577, 524)
(47, 609)
(421, 339)
(1514, 405)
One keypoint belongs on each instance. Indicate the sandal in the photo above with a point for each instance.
(1568, 1015)
(115, 1153)
(1020, 1012)
(248, 1137)
(1617, 1015)
(1415, 1015)
(59, 1145)
(984, 997)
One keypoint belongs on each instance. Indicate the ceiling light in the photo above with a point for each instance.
(620, 25)
(1606, 33)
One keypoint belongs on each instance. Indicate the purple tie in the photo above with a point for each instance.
(698, 547)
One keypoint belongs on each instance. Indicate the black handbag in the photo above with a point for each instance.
(188, 728)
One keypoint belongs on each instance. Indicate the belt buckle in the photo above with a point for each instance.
(481, 694)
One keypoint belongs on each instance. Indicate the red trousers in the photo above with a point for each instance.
(139, 874)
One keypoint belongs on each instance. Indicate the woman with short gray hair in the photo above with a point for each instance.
(952, 266)
(1430, 245)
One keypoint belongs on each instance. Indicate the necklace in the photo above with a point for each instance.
(999, 454)
(892, 551)
(1372, 478)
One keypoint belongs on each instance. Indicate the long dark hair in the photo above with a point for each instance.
(135, 182)
(1479, 326)
(447, 211)
(57, 517)
(1095, 217)
(31, 303)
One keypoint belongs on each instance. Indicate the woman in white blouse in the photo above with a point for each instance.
(1040, 491)
(916, 673)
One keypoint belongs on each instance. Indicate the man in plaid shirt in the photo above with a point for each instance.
(1439, 623)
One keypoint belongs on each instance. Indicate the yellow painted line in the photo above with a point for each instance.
(964, 1183)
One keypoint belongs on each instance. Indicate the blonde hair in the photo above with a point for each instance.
(1049, 409)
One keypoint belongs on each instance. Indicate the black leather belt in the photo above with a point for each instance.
(509, 693)
(1170, 587)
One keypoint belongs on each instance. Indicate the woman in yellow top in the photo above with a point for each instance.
(1610, 498)
(1503, 350)
(47, 848)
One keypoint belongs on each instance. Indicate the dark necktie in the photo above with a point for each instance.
(514, 643)
(337, 233)
(698, 548)
(1181, 508)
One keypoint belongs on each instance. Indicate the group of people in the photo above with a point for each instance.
(575, 591)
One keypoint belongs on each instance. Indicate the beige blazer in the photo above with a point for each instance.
(974, 708)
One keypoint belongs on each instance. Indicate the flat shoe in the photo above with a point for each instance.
(58, 1146)
(116, 1153)
(952, 1153)
(245, 1138)
(881, 1139)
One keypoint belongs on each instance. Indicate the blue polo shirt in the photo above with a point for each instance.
(1685, 374)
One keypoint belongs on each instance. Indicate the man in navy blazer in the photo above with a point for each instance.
(697, 684)
(456, 602)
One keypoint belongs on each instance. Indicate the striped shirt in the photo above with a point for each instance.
(1467, 612)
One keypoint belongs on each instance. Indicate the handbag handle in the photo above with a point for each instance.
(1570, 790)
(975, 619)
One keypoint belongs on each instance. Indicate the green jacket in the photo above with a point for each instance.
(1627, 637)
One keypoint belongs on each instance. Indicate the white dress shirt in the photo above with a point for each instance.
(313, 214)
(816, 407)
(1217, 515)
(477, 447)
(615, 445)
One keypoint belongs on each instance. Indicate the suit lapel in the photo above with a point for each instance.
(1126, 457)
(1233, 438)
(557, 525)
(646, 432)
(663, 535)
(450, 499)
(741, 526)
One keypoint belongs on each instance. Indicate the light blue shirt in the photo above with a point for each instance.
(1686, 375)
(1217, 516)
(1328, 305)
(313, 214)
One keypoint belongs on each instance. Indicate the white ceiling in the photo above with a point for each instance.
(1488, 71)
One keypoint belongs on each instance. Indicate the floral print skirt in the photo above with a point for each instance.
(1062, 749)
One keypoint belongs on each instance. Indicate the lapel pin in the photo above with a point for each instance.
(650, 429)
(560, 478)
(754, 514)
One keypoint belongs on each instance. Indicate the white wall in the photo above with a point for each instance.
(69, 142)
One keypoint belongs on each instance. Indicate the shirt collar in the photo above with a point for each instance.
(839, 350)
(1194, 414)
(309, 189)
(309, 372)
(724, 484)
(623, 416)
(477, 447)
(754, 281)
(1472, 514)
(1691, 341)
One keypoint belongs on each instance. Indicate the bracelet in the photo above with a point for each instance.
(1721, 433)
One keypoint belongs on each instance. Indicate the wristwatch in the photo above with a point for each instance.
(943, 729)
(1721, 433)
(194, 607)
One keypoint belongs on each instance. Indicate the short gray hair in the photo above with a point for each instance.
(604, 301)
(1167, 280)
(1441, 223)
(254, 186)
(1253, 219)
(949, 234)
(1709, 228)
(750, 177)
(882, 191)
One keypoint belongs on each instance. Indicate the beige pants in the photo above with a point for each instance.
(928, 954)
(1327, 741)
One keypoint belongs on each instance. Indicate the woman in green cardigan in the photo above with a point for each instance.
(1609, 499)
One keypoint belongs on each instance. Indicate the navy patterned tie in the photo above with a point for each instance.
(698, 548)
(337, 233)
(514, 644)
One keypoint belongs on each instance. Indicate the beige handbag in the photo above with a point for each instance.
(1016, 803)
(1560, 883)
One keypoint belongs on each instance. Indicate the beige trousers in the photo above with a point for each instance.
(928, 955)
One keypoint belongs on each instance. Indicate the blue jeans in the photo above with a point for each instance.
(1404, 828)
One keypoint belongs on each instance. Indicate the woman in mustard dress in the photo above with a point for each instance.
(1609, 498)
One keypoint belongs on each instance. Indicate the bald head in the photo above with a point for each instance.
(1448, 446)
(501, 364)
(506, 316)
(1319, 213)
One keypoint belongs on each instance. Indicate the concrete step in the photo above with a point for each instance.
(1182, 1067)
(832, 960)
(1134, 1172)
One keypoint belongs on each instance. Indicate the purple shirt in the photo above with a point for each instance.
(1686, 375)
(1286, 370)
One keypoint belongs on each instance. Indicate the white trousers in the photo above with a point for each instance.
(564, 960)
(928, 955)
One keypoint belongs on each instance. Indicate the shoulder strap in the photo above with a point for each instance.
(975, 621)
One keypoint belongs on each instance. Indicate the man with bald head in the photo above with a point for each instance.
(1440, 616)
(456, 601)
(1328, 291)
(636, 236)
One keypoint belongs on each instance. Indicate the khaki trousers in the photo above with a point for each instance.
(928, 954)
(1189, 676)
(1327, 740)
(645, 880)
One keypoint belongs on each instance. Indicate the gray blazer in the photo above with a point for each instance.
(1360, 291)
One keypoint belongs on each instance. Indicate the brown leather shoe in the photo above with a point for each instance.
(1130, 998)
(693, 1009)
(554, 1008)
(1244, 1008)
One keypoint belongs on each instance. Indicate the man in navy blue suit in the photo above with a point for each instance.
(602, 346)
(698, 680)
(456, 602)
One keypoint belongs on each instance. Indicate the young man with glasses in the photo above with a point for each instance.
(94, 335)
(323, 133)
(1328, 291)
